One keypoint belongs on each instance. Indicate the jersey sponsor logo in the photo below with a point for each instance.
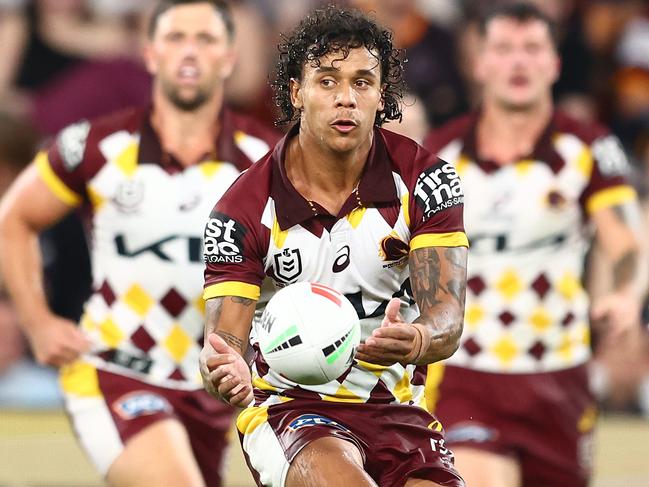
(288, 265)
(610, 157)
(342, 259)
(157, 248)
(71, 144)
(140, 403)
(470, 432)
(306, 420)
(438, 188)
(223, 242)
(128, 196)
(394, 250)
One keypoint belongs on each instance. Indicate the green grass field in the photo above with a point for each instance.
(38, 450)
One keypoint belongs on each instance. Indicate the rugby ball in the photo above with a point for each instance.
(308, 333)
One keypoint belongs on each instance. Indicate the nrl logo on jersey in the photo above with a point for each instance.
(223, 241)
(438, 188)
(288, 265)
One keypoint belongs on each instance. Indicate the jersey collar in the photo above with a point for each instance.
(376, 184)
(543, 150)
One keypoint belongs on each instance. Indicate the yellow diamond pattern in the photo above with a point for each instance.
(565, 348)
(505, 349)
(111, 335)
(127, 160)
(569, 286)
(200, 305)
(138, 300)
(177, 343)
(474, 315)
(461, 165)
(87, 323)
(375, 369)
(356, 216)
(80, 379)
(541, 320)
(509, 284)
(342, 395)
(402, 390)
(209, 169)
(585, 162)
(588, 420)
(523, 167)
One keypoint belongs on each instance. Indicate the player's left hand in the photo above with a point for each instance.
(392, 342)
(621, 310)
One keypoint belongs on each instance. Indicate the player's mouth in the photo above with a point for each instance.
(344, 125)
(519, 81)
(189, 74)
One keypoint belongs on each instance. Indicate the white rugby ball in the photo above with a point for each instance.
(308, 333)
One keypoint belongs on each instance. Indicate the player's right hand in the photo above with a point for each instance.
(57, 341)
(225, 373)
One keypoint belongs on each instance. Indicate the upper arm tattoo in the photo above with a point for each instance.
(437, 275)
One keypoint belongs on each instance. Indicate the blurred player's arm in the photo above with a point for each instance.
(28, 208)
(620, 234)
(438, 279)
(226, 375)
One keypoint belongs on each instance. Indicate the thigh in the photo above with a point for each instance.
(158, 455)
(328, 461)
(481, 468)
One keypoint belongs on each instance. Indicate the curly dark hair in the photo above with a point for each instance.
(333, 29)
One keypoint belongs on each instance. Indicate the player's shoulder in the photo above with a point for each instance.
(407, 157)
(439, 137)
(587, 132)
(252, 126)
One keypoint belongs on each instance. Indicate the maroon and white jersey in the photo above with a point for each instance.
(528, 224)
(147, 213)
(263, 228)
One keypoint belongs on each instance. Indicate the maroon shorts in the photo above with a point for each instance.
(544, 420)
(108, 409)
(397, 442)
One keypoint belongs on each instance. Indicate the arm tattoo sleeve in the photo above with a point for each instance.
(232, 340)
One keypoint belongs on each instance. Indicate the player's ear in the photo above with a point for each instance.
(295, 88)
(229, 62)
(149, 58)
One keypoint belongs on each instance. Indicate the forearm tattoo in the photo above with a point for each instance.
(456, 285)
(424, 277)
(232, 340)
(625, 269)
(242, 301)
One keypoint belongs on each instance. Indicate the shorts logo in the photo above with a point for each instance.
(438, 188)
(223, 241)
(288, 265)
(307, 420)
(72, 144)
(140, 403)
(470, 432)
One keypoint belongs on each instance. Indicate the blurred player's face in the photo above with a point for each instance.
(190, 54)
(518, 63)
(339, 99)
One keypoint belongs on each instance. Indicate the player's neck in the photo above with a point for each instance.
(188, 136)
(505, 136)
(321, 175)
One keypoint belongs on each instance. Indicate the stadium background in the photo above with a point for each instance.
(62, 60)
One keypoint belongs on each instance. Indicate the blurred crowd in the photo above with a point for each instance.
(64, 60)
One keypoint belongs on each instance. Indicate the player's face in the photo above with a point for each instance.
(190, 54)
(518, 63)
(339, 99)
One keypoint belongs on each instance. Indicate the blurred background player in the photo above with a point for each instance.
(515, 398)
(148, 176)
(369, 213)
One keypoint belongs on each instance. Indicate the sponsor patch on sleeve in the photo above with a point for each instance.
(610, 157)
(72, 144)
(223, 240)
(438, 188)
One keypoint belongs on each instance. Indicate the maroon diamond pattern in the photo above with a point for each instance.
(173, 302)
(541, 285)
(177, 375)
(107, 293)
(142, 340)
(472, 347)
(567, 319)
(476, 284)
(537, 351)
(506, 318)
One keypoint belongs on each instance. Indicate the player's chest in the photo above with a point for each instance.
(364, 246)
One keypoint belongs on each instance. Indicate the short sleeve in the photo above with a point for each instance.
(62, 165)
(436, 207)
(232, 254)
(608, 185)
